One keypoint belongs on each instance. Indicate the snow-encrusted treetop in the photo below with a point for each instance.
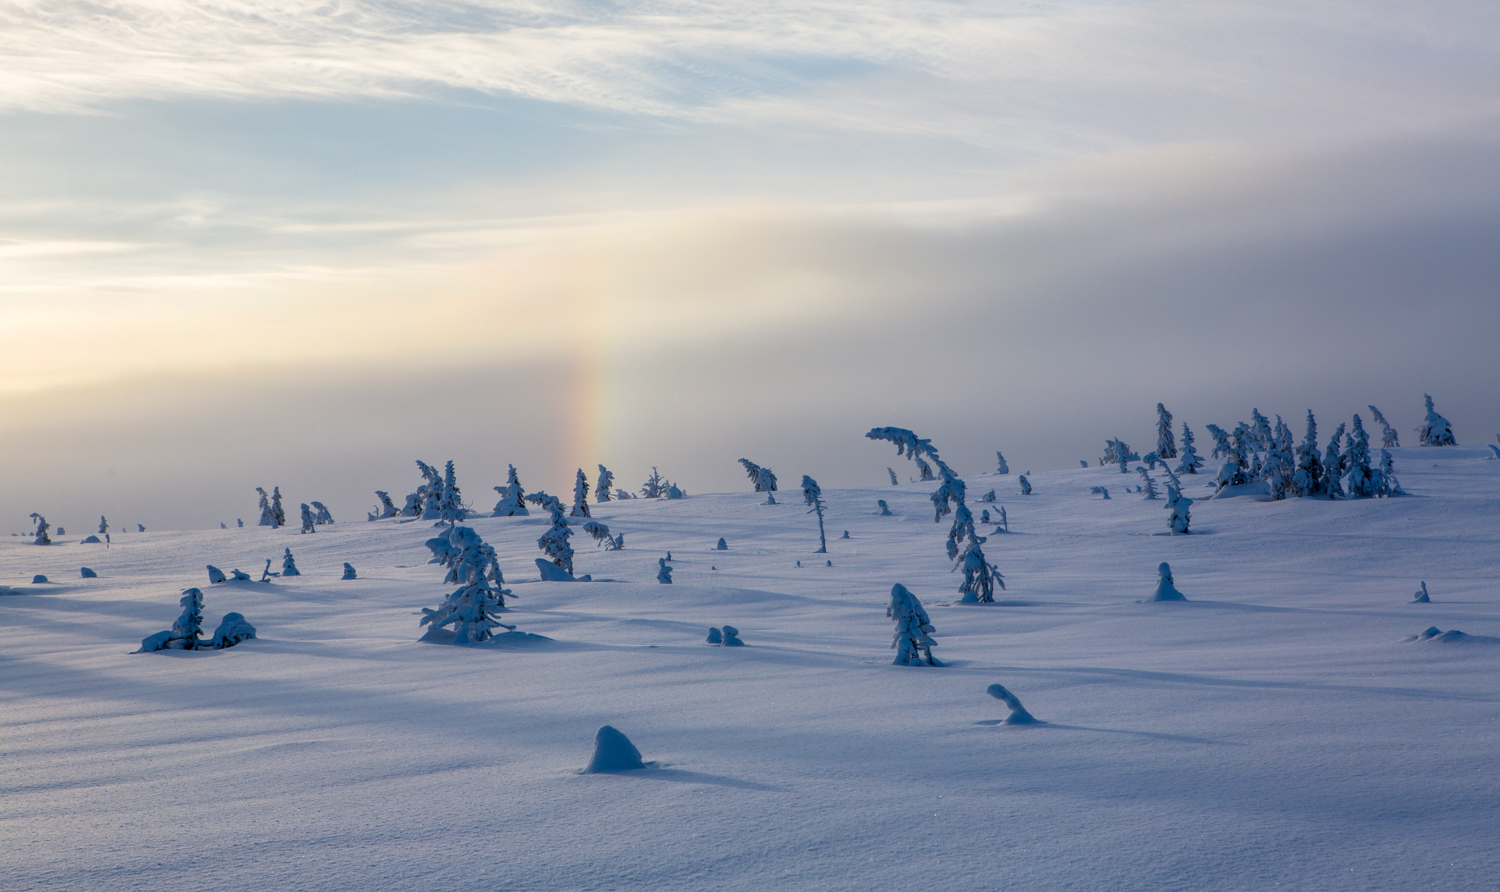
(1435, 430)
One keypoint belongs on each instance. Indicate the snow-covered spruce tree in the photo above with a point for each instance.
(911, 642)
(289, 565)
(554, 542)
(1307, 477)
(602, 485)
(307, 520)
(1190, 461)
(892, 472)
(1166, 444)
(1435, 429)
(472, 608)
(42, 527)
(1002, 467)
(451, 504)
(189, 624)
(1388, 474)
(321, 514)
(988, 497)
(103, 525)
(924, 470)
(267, 519)
(980, 576)
(278, 514)
(1260, 431)
(1279, 466)
(763, 479)
(600, 534)
(1148, 486)
(655, 486)
(431, 490)
(349, 572)
(580, 495)
(1361, 482)
(623, 495)
(1222, 448)
(1333, 466)
(1025, 485)
(663, 571)
(1388, 437)
(1178, 504)
(387, 507)
(812, 495)
(512, 497)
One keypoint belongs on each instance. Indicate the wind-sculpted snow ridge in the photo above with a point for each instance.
(1274, 731)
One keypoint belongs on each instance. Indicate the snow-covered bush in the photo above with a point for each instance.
(512, 497)
(663, 571)
(715, 636)
(289, 565)
(472, 608)
(1148, 486)
(1190, 461)
(321, 514)
(812, 495)
(1100, 491)
(307, 520)
(1025, 485)
(42, 528)
(1001, 466)
(1018, 714)
(602, 485)
(1178, 504)
(763, 479)
(580, 495)
(674, 491)
(349, 572)
(233, 629)
(1435, 429)
(1166, 444)
(1388, 437)
(600, 534)
(386, 508)
(1421, 596)
(215, 575)
(732, 637)
(1117, 452)
(655, 486)
(988, 497)
(885, 510)
(1165, 590)
(911, 642)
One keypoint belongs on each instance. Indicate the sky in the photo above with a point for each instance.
(305, 243)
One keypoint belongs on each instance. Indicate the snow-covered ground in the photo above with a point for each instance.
(1276, 731)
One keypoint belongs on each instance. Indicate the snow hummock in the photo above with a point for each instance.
(86, 573)
(613, 751)
(91, 540)
(1165, 590)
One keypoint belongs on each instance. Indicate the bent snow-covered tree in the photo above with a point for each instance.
(321, 514)
(1148, 486)
(602, 485)
(472, 608)
(1435, 429)
(1333, 465)
(554, 542)
(1166, 444)
(387, 507)
(512, 498)
(762, 478)
(813, 496)
(42, 526)
(1001, 466)
(307, 520)
(912, 641)
(580, 495)
(189, 624)
(267, 519)
(1388, 436)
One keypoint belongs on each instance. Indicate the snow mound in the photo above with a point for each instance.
(92, 540)
(38, 579)
(86, 573)
(552, 572)
(1165, 590)
(500, 639)
(613, 751)
(215, 575)
(1452, 636)
(1259, 490)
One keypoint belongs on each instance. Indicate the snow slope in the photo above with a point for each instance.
(1275, 731)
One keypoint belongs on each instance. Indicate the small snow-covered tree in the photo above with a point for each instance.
(1025, 485)
(912, 641)
(1435, 429)
(1260, 430)
(1166, 590)
(980, 576)
(1222, 448)
(1388, 436)
(580, 495)
(307, 520)
(1333, 465)
(892, 472)
(42, 528)
(512, 498)
(1002, 467)
(763, 479)
(1101, 491)
(278, 514)
(289, 565)
(1166, 444)
(103, 525)
(655, 486)
(602, 485)
(1178, 504)
(189, 624)
(812, 495)
(885, 510)
(267, 519)
(1190, 461)
(924, 470)
(431, 490)
(413, 506)
(1388, 474)
(1148, 486)
(1307, 478)
(663, 571)
(554, 542)
(387, 507)
(1356, 459)
(451, 503)
(233, 629)
(321, 514)
(600, 534)
(473, 607)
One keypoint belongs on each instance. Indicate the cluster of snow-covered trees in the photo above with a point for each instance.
(1260, 451)
(185, 632)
